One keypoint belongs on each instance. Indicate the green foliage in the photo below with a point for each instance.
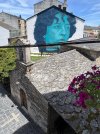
(7, 61)
(91, 88)
(87, 88)
(35, 58)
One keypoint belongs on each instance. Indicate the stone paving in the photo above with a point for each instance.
(12, 121)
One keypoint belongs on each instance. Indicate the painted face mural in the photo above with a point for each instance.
(53, 27)
(58, 31)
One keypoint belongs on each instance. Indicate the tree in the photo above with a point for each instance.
(7, 62)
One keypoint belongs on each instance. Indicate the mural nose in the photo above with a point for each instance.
(63, 31)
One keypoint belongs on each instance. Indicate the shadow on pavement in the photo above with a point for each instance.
(2, 91)
(29, 128)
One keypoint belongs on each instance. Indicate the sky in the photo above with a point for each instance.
(89, 10)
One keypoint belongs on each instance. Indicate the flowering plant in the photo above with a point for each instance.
(87, 88)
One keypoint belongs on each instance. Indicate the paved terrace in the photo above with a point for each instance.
(12, 121)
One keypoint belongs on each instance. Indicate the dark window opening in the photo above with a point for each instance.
(23, 98)
(62, 127)
(56, 124)
(21, 54)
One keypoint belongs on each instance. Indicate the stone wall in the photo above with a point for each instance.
(23, 53)
(47, 81)
(89, 50)
(15, 77)
(36, 104)
(12, 41)
(92, 55)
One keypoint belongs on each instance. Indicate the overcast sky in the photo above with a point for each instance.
(85, 9)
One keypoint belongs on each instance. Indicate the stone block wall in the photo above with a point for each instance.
(92, 55)
(89, 50)
(37, 106)
(15, 77)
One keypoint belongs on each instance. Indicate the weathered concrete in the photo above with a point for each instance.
(23, 54)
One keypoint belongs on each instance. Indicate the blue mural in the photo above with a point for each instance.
(51, 27)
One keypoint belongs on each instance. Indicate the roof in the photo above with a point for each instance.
(18, 17)
(38, 2)
(57, 69)
(6, 26)
(92, 44)
(86, 39)
(57, 9)
(52, 76)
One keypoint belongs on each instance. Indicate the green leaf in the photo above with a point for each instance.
(7, 61)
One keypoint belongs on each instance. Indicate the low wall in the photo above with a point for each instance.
(89, 50)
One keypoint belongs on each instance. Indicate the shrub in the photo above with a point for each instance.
(7, 62)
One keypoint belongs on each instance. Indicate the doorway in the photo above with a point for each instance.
(23, 98)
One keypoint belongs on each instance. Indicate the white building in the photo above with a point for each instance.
(14, 21)
(6, 32)
(70, 27)
(90, 31)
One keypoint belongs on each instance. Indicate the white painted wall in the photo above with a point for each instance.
(4, 35)
(30, 25)
(79, 30)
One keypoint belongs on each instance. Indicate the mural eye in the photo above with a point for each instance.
(56, 26)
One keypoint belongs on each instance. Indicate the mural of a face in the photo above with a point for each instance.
(59, 31)
(53, 27)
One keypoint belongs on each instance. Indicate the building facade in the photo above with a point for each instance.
(90, 31)
(53, 26)
(42, 5)
(7, 32)
(14, 21)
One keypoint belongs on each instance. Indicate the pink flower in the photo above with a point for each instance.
(71, 89)
(82, 97)
(98, 87)
(85, 86)
(94, 67)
